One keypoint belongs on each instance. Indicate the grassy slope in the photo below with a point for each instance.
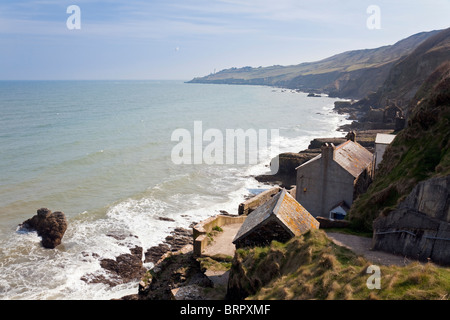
(313, 267)
(419, 152)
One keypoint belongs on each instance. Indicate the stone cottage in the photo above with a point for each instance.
(279, 218)
(335, 177)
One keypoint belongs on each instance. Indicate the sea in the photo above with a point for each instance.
(103, 153)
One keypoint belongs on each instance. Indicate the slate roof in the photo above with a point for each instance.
(290, 214)
(351, 156)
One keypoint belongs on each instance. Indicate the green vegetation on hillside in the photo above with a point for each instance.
(313, 267)
(419, 152)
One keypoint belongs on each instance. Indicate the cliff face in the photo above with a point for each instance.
(408, 74)
(420, 226)
(352, 74)
(419, 152)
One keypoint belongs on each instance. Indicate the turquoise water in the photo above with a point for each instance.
(100, 151)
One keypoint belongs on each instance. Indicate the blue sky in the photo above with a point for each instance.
(182, 39)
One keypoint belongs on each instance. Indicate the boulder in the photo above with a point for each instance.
(50, 226)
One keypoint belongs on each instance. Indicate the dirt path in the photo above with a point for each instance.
(222, 244)
(362, 245)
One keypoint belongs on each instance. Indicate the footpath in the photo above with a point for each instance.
(222, 245)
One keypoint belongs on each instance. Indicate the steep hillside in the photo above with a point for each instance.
(410, 72)
(351, 74)
(419, 152)
(313, 267)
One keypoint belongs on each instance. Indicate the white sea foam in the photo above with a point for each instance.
(108, 168)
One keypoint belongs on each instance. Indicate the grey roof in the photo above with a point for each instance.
(351, 156)
(291, 214)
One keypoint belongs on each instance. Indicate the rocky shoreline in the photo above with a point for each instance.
(183, 271)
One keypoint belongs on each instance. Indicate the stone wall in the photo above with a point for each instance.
(251, 204)
(420, 226)
(201, 230)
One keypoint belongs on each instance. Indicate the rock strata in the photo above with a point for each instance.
(420, 226)
(50, 226)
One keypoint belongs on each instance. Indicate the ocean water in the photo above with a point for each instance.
(100, 151)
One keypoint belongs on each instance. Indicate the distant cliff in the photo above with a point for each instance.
(352, 74)
(400, 87)
(409, 73)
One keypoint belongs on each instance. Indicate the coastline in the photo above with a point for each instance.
(181, 243)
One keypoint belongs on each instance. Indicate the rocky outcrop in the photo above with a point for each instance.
(179, 270)
(177, 239)
(126, 267)
(420, 226)
(50, 226)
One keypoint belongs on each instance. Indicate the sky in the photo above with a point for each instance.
(183, 39)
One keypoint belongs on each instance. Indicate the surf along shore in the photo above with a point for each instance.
(181, 274)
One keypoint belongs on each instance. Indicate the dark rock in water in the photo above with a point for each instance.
(120, 235)
(50, 226)
(127, 266)
(165, 219)
(174, 242)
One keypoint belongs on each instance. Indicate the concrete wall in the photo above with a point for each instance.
(420, 225)
(322, 184)
(251, 204)
(201, 230)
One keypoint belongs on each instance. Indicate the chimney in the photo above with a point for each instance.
(351, 136)
(328, 151)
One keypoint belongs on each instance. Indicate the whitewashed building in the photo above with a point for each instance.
(382, 140)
